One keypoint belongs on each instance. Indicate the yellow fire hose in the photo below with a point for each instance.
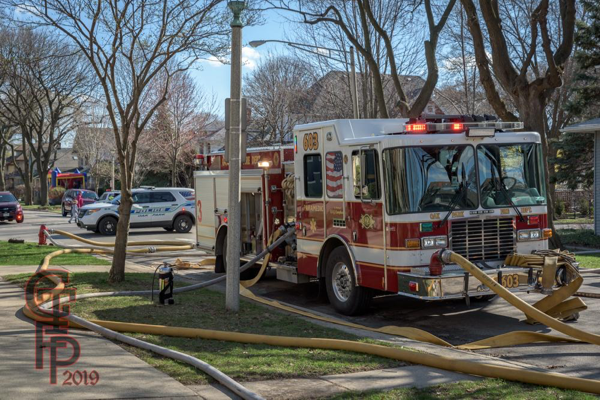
(447, 363)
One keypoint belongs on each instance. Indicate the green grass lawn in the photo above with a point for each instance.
(487, 389)
(580, 220)
(32, 254)
(35, 207)
(589, 260)
(579, 237)
(206, 309)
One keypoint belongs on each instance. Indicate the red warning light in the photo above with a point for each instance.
(416, 127)
(457, 127)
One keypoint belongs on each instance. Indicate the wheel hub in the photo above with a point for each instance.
(342, 282)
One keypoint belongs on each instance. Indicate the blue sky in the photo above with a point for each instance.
(213, 76)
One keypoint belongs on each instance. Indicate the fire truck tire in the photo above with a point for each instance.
(487, 297)
(182, 224)
(248, 274)
(108, 226)
(343, 294)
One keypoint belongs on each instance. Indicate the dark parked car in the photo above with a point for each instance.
(10, 209)
(89, 197)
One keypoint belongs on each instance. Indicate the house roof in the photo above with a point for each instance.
(589, 126)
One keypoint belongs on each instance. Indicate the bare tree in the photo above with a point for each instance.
(278, 95)
(366, 23)
(530, 43)
(127, 44)
(186, 111)
(42, 95)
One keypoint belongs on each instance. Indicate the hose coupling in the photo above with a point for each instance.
(151, 249)
(445, 255)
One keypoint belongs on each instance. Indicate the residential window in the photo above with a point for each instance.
(313, 173)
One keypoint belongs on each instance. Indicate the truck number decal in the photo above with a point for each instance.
(311, 141)
(199, 211)
(510, 281)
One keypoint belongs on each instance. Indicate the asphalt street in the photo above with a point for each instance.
(453, 321)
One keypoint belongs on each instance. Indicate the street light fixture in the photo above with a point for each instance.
(320, 52)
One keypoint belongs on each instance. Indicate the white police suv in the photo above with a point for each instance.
(168, 208)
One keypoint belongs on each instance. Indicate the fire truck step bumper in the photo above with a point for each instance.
(456, 285)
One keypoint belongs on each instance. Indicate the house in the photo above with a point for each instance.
(591, 127)
(330, 96)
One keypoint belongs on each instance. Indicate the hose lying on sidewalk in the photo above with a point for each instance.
(451, 364)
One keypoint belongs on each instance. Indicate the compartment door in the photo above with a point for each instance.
(205, 211)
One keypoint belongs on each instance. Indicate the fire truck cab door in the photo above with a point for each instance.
(205, 211)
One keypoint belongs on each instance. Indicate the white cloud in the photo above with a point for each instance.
(250, 58)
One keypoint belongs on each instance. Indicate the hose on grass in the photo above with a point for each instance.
(432, 360)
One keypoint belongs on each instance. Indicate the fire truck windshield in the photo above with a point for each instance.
(430, 178)
(511, 173)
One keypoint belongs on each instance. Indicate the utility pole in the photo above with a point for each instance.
(234, 215)
(353, 86)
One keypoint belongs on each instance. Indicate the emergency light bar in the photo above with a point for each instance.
(472, 129)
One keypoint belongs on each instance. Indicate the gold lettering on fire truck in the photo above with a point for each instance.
(367, 221)
(311, 141)
(525, 210)
(505, 211)
(434, 215)
(313, 225)
(458, 214)
(336, 211)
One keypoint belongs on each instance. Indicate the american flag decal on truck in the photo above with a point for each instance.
(333, 171)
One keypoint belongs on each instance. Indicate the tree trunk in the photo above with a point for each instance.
(174, 172)
(2, 167)
(43, 183)
(531, 111)
(117, 270)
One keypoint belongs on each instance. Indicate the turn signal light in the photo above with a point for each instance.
(413, 243)
(413, 286)
(533, 219)
(547, 233)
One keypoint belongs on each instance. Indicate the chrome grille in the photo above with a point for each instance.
(483, 240)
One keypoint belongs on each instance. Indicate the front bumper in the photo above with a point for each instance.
(457, 283)
(11, 216)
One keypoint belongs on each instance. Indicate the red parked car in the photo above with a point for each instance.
(89, 197)
(10, 209)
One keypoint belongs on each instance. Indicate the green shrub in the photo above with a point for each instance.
(56, 192)
(559, 208)
(584, 206)
(579, 237)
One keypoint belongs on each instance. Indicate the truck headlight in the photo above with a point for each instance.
(89, 212)
(434, 242)
(529, 234)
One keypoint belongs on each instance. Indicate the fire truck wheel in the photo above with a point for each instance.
(482, 299)
(344, 295)
(108, 226)
(183, 224)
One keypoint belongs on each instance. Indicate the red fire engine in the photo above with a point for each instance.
(373, 200)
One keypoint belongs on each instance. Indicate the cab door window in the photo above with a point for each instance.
(313, 176)
(162, 197)
(365, 167)
(140, 198)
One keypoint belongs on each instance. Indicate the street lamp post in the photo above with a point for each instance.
(319, 52)
(232, 291)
